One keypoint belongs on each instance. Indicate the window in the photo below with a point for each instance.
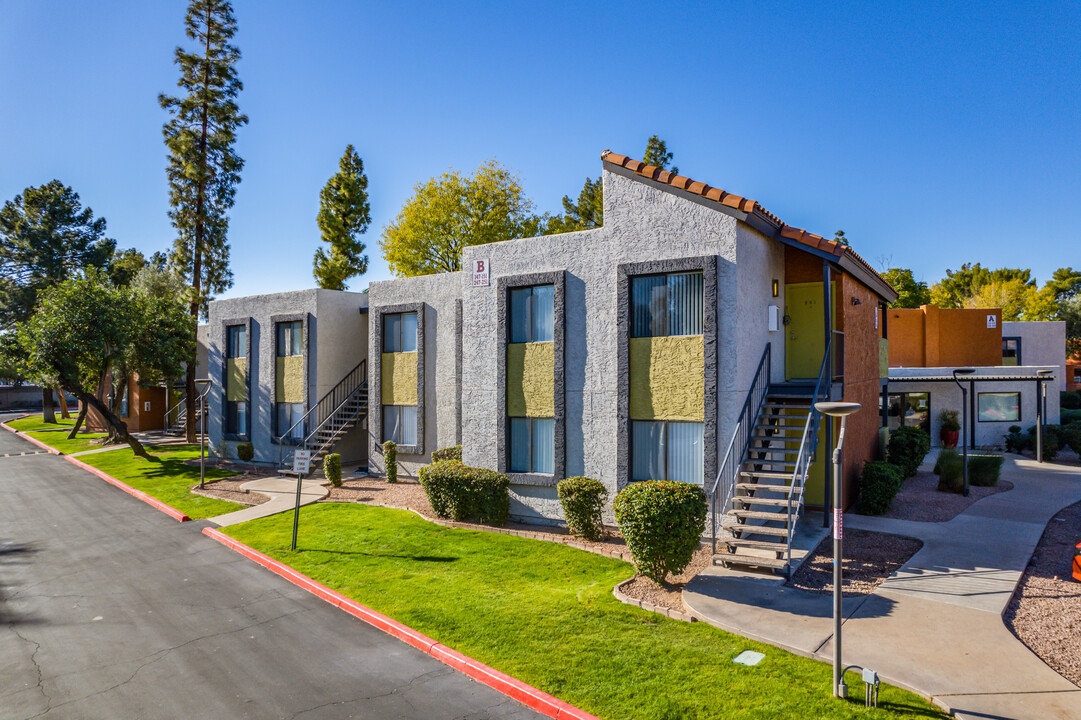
(532, 313)
(1077, 375)
(237, 341)
(287, 415)
(666, 451)
(911, 409)
(400, 332)
(124, 400)
(1011, 351)
(289, 339)
(532, 445)
(666, 305)
(236, 417)
(1000, 407)
(400, 424)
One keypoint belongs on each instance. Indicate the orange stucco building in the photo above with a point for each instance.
(1073, 373)
(930, 336)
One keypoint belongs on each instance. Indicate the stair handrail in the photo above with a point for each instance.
(728, 472)
(327, 405)
(182, 404)
(807, 447)
(315, 433)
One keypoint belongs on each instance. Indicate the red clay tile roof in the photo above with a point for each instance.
(738, 203)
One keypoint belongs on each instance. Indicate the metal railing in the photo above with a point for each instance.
(181, 408)
(728, 474)
(327, 407)
(837, 343)
(807, 447)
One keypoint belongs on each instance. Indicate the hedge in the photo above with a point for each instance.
(583, 502)
(245, 452)
(454, 452)
(984, 470)
(908, 447)
(390, 460)
(950, 471)
(879, 484)
(662, 522)
(460, 492)
(332, 469)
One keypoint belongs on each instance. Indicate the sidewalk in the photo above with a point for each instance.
(282, 492)
(935, 626)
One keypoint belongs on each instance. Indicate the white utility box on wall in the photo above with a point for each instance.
(774, 318)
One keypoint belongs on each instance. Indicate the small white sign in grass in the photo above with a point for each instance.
(749, 657)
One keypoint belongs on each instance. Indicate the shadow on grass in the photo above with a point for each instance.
(416, 558)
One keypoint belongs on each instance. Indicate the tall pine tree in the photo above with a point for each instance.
(344, 213)
(203, 168)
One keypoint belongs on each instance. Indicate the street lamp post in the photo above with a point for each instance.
(841, 410)
(1041, 411)
(202, 435)
(964, 425)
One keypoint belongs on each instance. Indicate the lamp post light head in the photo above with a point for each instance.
(964, 371)
(1045, 373)
(837, 409)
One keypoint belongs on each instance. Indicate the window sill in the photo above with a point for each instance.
(236, 438)
(534, 479)
(407, 450)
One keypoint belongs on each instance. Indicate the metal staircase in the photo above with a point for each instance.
(338, 412)
(179, 426)
(758, 495)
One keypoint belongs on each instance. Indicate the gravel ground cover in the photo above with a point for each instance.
(229, 489)
(1045, 611)
(869, 558)
(920, 499)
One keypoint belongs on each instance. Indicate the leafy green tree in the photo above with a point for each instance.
(911, 293)
(1070, 311)
(203, 167)
(1065, 283)
(344, 213)
(452, 211)
(957, 287)
(588, 212)
(839, 237)
(125, 265)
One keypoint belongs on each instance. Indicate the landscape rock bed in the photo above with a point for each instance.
(869, 558)
(1045, 611)
(920, 499)
(229, 489)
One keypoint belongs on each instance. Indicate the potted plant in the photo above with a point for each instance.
(950, 431)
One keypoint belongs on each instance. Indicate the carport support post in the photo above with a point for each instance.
(1039, 424)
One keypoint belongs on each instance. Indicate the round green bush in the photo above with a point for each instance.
(984, 470)
(1052, 441)
(390, 460)
(879, 483)
(1071, 436)
(908, 447)
(583, 502)
(460, 492)
(662, 523)
(1070, 400)
(245, 452)
(454, 452)
(332, 468)
(950, 471)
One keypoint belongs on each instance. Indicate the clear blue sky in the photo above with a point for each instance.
(932, 134)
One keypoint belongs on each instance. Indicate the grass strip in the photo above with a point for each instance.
(168, 479)
(59, 441)
(545, 613)
(34, 422)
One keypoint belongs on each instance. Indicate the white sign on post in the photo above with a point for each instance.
(480, 273)
(301, 461)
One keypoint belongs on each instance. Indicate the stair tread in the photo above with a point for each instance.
(754, 500)
(766, 486)
(756, 530)
(755, 560)
(757, 515)
(755, 544)
(766, 474)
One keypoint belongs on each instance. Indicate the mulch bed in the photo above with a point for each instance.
(868, 559)
(1045, 611)
(670, 594)
(920, 499)
(229, 489)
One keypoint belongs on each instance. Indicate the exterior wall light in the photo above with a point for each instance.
(776, 288)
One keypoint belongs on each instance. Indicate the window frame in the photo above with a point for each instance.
(1020, 406)
(1018, 340)
(667, 445)
(665, 316)
(297, 327)
(375, 380)
(529, 313)
(229, 349)
(532, 455)
(400, 344)
(904, 400)
(398, 408)
(227, 325)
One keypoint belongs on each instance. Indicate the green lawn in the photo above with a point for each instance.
(544, 613)
(167, 480)
(33, 422)
(59, 441)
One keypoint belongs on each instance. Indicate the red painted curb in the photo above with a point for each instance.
(11, 429)
(170, 511)
(37, 442)
(528, 695)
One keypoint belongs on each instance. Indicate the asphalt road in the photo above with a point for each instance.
(110, 609)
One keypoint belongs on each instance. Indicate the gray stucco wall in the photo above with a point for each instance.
(1042, 343)
(642, 223)
(440, 294)
(315, 307)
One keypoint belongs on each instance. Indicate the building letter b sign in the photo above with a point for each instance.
(480, 273)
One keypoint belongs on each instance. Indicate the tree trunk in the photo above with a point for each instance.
(62, 396)
(48, 410)
(78, 421)
(114, 422)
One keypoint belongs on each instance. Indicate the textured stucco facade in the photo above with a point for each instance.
(334, 342)
(1042, 343)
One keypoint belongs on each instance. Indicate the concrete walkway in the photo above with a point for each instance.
(282, 492)
(935, 626)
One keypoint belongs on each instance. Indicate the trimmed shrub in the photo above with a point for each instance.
(1016, 441)
(907, 449)
(950, 469)
(662, 522)
(1052, 441)
(1071, 436)
(245, 452)
(390, 459)
(1069, 400)
(583, 502)
(949, 421)
(460, 492)
(879, 483)
(454, 452)
(984, 470)
(332, 468)
(1069, 417)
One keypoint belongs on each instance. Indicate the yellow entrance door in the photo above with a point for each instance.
(804, 342)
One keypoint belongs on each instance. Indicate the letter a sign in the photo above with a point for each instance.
(480, 273)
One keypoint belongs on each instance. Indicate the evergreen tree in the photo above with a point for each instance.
(344, 213)
(203, 167)
(657, 154)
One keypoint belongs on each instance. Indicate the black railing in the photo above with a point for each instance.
(327, 406)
